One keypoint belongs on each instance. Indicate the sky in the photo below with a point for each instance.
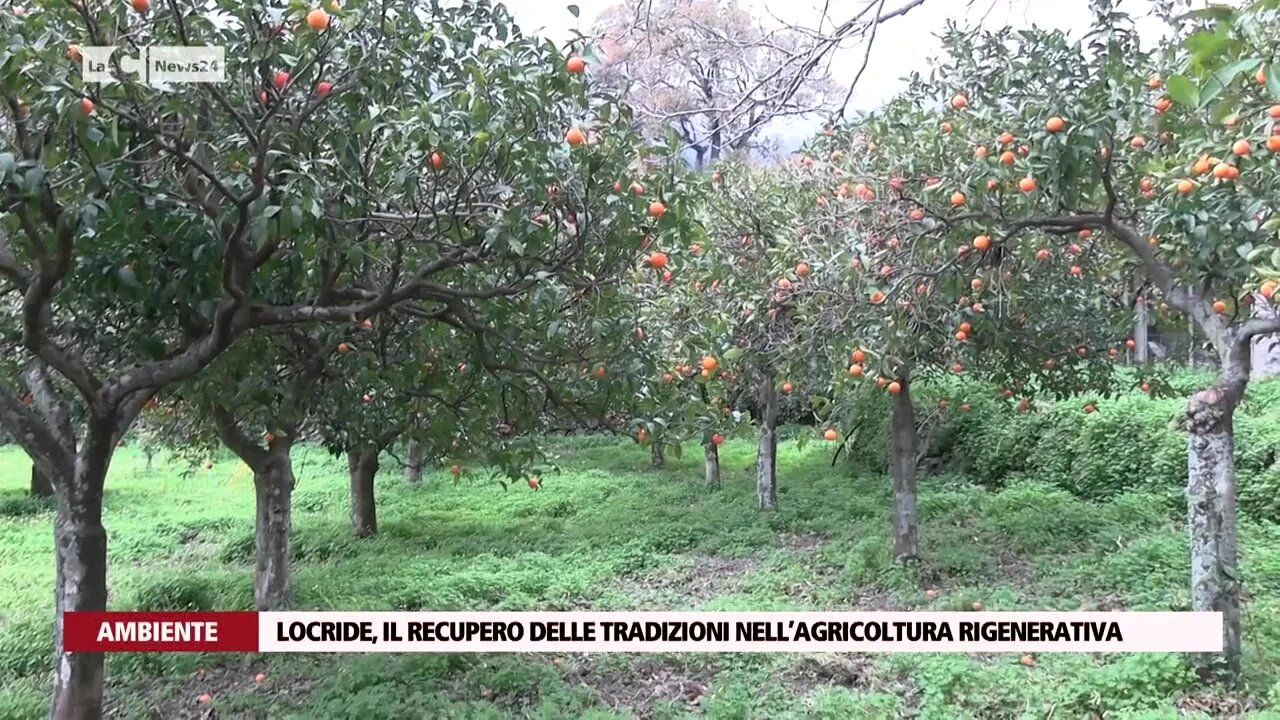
(905, 45)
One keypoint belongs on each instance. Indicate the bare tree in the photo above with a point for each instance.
(712, 73)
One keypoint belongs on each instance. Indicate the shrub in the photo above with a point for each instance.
(1132, 443)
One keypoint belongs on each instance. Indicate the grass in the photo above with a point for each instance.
(609, 532)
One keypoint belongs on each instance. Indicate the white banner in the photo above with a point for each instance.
(739, 632)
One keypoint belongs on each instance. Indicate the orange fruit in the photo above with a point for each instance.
(1242, 147)
(717, 439)
(1007, 157)
(992, 184)
(1055, 124)
(1155, 82)
(1273, 112)
(1219, 307)
(343, 347)
(1163, 104)
(657, 209)
(1185, 186)
(831, 434)
(1027, 184)
(140, 6)
(658, 260)
(204, 698)
(787, 388)
(957, 199)
(575, 136)
(1268, 289)
(1138, 142)
(1076, 270)
(802, 269)
(956, 368)
(917, 214)
(855, 370)
(876, 298)
(976, 283)
(961, 336)
(1261, 76)
(965, 327)
(318, 19)
(859, 356)
(980, 152)
(1273, 143)
(1027, 660)
(982, 242)
(1146, 387)
(600, 371)
(1090, 408)
(1231, 121)
(86, 106)
(576, 65)
(959, 102)
(894, 388)
(946, 127)
(1146, 184)
(784, 284)
(1006, 138)
(437, 161)
(1042, 254)
(710, 363)
(74, 54)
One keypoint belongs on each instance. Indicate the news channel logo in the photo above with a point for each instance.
(156, 65)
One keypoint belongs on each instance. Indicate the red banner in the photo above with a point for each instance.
(161, 631)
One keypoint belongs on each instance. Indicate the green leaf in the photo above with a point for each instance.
(270, 211)
(7, 163)
(1273, 83)
(733, 354)
(573, 10)
(1182, 91)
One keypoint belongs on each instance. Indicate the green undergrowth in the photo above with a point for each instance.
(610, 532)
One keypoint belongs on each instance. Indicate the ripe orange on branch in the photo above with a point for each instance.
(318, 19)
(576, 65)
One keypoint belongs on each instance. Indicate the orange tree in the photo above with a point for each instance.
(722, 307)
(1033, 135)
(345, 168)
(893, 296)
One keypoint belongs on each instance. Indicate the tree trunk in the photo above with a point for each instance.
(1211, 516)
(712, 454)
(273, 484)
(767, 457)
(363, 468)
(1140, 340)
(41, 486)
(656, 455)
(414, 464)
(80, 546)
(902, 463)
